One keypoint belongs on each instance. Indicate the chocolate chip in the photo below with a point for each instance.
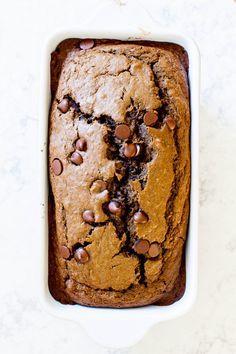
(76, 158)
(69, 283)
(141, 246)
(170, 122)
(131, 150)
(114, 207)
(98, 186)
(88, 216)
(64, 105)
(140, 217)
(57, 167)
(154, 250)
(86, 43)
(150, 118)
(122, 131)
(81, 144)
(64, 252)
(81, 255)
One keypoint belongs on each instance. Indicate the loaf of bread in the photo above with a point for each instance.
(119, 170)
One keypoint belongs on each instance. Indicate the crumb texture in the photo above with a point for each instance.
(119, 171)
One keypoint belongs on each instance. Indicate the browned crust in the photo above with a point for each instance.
(59, 55)
(170, 285)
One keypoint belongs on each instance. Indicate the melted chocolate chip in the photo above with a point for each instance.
(154, 250)
(81, 144)
(98, 186)
(114, 207)
(76, 158)
(69, 283)
(86, 43)
(64, 252)
(88, 216)
(141, 246)
(57, 167)
(140, 217)
(170, 122)
(64, 105)
(122, 131)
(81, 255)
(130, 150)
(150, 118)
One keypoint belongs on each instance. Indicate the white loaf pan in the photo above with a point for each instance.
(121, 327)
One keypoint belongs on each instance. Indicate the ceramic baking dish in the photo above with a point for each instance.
(111, 327)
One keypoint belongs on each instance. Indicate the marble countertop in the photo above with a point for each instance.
(209, 328)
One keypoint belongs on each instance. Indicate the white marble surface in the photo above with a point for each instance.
(210, 327)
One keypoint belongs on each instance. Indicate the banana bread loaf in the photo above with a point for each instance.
(119, 171)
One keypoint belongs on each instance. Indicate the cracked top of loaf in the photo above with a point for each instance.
(119, 170)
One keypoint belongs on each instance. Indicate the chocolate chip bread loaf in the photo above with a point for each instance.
(119, 169)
